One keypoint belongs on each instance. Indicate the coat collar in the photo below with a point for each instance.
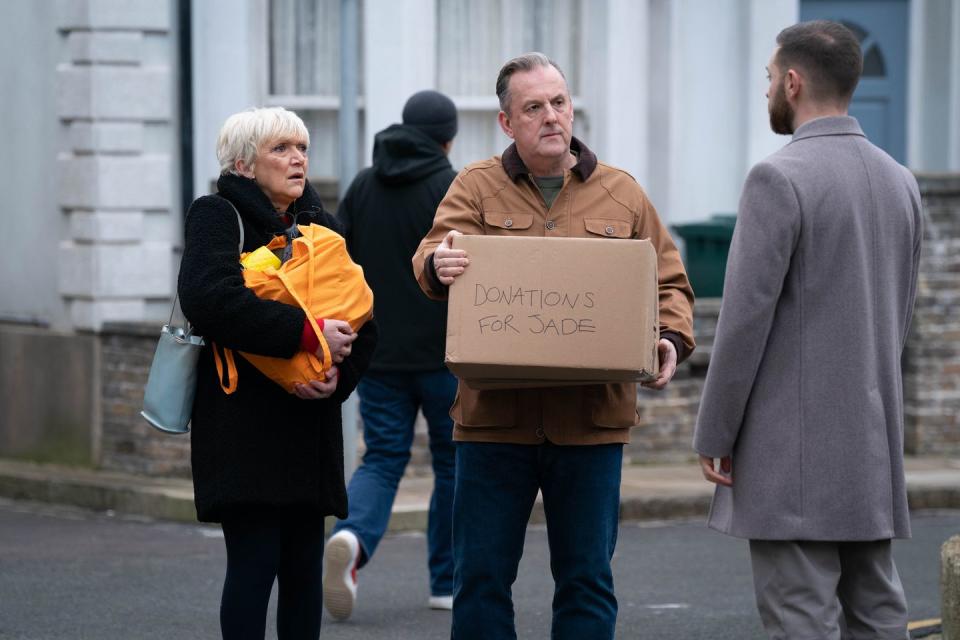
(254, 205)
(828, 126)
(586, 161)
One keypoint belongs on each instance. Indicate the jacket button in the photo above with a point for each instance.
(540, 432)
(609, 231)
(550, 225)
(508, 222)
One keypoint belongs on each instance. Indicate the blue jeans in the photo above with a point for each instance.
(496, 485)
(388, 406)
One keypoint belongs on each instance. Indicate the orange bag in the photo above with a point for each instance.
(321, 279)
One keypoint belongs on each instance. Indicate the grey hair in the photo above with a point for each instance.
(525, 62)
(243, 133)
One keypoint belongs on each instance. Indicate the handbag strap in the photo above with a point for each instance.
(231, 366)
(239, 222)
(176, 295)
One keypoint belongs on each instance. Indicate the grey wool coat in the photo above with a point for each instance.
(804, 388)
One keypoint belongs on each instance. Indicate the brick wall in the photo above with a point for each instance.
(932, 357)
(128, 442)
(667, 417)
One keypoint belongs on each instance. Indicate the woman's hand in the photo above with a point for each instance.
(318, 389)
(340, 336)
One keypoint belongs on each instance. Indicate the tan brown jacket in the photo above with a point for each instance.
(498, 197)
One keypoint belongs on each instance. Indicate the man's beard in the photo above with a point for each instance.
(781, 113)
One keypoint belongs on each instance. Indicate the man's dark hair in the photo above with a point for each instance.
(828, 52)
(526, 62)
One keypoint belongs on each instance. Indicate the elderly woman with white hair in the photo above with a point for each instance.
(267, 464)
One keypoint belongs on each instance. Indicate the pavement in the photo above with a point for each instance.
(648, 492)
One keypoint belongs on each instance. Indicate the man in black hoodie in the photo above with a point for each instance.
(385, 213)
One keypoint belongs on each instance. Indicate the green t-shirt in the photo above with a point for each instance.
(549, 187)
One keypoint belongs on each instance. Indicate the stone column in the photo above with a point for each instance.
(115, 166)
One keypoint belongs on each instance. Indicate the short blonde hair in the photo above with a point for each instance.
(243, 133)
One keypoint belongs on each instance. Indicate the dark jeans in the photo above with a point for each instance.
(288, 550)
(496, 485)
(388, 406)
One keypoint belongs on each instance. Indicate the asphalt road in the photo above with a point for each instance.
(72, 574)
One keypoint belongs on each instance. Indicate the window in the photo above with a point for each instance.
(475, 38)
(873, 64)
(304, 73)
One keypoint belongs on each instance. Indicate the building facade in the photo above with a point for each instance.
(123, 108)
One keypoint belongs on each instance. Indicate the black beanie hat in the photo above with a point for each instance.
(433, 113)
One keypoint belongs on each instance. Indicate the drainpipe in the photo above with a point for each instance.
(349, 140)
(185, 102)
(349, 122)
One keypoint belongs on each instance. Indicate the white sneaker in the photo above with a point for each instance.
(340, 578)
(444, 603)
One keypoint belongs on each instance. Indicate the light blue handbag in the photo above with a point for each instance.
(172, 383)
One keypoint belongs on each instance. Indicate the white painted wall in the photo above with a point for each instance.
(32, 223)
(229, 61)
(707, 121)
(953, 114)
(709, 109)
(929, 84)
(617, 100)
(399, 58)
(764, 20)
(933, 101)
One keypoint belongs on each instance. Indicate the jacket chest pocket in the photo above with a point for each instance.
(503, 224)
(608, 228)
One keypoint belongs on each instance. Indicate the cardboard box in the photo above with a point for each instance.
(533, 311)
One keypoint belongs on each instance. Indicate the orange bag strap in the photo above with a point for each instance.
(327, 356)
(310, 265)
(232, 378)
(317, 365)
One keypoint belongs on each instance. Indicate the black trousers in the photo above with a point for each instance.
(259, 551)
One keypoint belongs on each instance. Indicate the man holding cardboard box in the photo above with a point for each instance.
(564, 441)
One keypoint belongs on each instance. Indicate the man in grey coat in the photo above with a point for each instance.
(801, 421)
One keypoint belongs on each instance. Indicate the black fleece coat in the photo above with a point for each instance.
(385, 213)
(259, 451)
